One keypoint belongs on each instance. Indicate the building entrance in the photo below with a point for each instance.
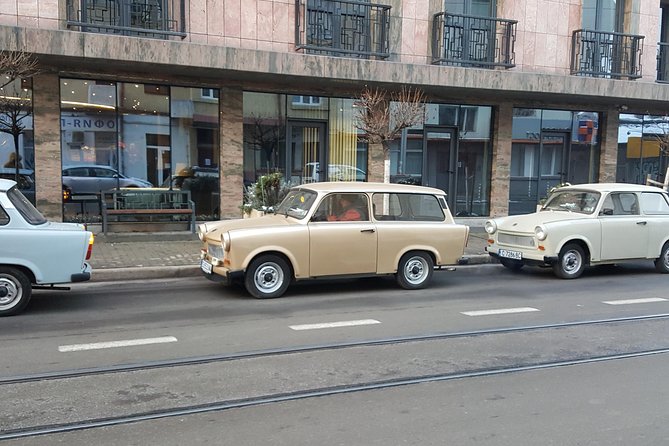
(440, 160)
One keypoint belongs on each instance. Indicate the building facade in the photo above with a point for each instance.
(522, 95)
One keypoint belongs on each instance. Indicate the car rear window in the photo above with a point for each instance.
(25, 207)
(407, 207)
(654, 203)
(4, 218)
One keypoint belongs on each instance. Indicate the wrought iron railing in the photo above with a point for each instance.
(158, 19)
(342, 28)
(606, 54)
(663, 62)
(471, 41)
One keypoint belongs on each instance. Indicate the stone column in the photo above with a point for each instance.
(46, 125)
(501, 160)
(608, 158)
(231, 152)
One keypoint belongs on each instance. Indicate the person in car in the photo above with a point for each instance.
(348, 210)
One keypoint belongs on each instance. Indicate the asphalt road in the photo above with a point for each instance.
(483, 357)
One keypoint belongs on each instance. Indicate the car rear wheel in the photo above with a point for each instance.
(267, 277)
(415, 270)
(513, 265)
(15, 291)
(571, 262)
(662, 262)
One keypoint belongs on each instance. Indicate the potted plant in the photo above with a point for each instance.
(261, 196)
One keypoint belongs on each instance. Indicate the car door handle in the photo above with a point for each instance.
(368, 230)
(641, 222)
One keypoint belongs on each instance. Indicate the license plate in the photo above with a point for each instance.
(510, 254)
(205, 266)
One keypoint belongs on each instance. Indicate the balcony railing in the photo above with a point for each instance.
(606, 54)
(663, 62)
(158, 19)
(342, 28)
(471, 41)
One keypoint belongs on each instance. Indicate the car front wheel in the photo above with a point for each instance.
(15, 291)
(662, 262)
(267, 277)
(571, 262)
(415, 270)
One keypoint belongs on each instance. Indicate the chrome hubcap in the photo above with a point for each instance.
(415, 270)
(9, 293)
(571, 262)
(268, 277)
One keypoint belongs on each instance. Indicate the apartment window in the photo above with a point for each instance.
(603, 15)
(306, 100)
(210, 93)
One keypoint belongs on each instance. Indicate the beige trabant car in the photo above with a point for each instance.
(336, 229)
(587, 224)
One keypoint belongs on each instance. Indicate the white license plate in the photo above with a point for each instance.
(510, 254)
(205, 266)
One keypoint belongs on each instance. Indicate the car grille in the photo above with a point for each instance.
(517, 240)
(215, 250)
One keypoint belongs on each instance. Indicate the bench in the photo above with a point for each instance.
(665, 185)
(139, 210)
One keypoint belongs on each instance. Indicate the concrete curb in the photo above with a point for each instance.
(169, 272)
(143, 272)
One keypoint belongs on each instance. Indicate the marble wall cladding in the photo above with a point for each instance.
(543, 32)
(608, 158)
(231, 152)
(501, 171)
(46, 119)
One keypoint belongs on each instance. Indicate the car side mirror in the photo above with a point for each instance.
(606, 212)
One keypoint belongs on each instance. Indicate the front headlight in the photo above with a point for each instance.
(541, 233)
(490, 226)
(225, 241)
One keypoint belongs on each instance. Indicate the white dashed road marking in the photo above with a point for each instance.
(114, 344)
(334, 324)
(634, 301)
(500, 311)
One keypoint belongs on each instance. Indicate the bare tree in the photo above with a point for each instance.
(16, 69)
(382, 116)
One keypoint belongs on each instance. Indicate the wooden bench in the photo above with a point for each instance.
(142, 209)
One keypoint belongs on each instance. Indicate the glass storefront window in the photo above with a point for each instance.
(642, 148)
(550, 147)
(17, 149)
(121, 135)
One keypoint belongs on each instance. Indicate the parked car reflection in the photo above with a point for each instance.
(25, 180)
(91, 179)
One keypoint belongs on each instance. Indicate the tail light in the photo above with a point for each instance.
(90, 246)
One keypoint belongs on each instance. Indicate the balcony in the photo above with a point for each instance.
(663, 62)
(159, 19)
(470, 41)
(346, 28)
(606, 54)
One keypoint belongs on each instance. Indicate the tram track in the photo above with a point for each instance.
(364, 381)
(205, 359)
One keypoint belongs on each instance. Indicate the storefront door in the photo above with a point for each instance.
(554, 153)
(440, 160)
(307, 152)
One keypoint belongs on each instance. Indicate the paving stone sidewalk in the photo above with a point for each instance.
(132, 256)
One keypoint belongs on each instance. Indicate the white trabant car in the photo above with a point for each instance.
(587, 224)
(336, 229)
(36, 253)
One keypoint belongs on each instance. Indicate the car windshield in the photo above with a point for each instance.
(573, 201)
(297, 203)
(25, 207)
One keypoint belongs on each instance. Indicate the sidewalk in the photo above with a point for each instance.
(132, 256)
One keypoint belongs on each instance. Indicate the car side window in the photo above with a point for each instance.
(343, 207)
(77, 172)
(654, 203)
(103, 173)
(387, 207)
(620, 203)
(4, 218)
(405, 207)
